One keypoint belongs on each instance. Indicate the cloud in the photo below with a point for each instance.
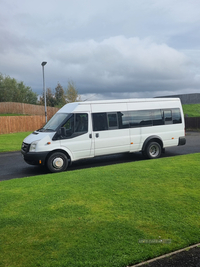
(108, 48)
(116, 65)
(120, 63)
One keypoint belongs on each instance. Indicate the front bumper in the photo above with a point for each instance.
(34, 158)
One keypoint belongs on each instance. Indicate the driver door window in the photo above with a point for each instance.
(75, 126)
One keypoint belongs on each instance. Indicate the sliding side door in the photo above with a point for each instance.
(110, 132)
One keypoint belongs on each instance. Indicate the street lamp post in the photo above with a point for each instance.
(44, 90)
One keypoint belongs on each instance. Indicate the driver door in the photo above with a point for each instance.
(77, 138)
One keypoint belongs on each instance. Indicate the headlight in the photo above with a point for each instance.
(33, 146)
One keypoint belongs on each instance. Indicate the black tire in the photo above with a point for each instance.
(144, 154)
(57, 162)
(153, 150)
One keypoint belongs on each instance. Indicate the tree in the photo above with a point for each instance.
(50, 98)
(72, 93)
(60, 95)
(59, 99)
(13, 91)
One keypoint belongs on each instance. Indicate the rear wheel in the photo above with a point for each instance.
(57, 162)
(153, 150)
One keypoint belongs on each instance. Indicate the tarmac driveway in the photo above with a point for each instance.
(12, 164)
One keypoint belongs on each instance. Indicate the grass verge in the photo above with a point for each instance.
(12, 142)
(96, 217)
(192, 110)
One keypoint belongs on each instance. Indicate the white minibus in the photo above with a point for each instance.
(82, 130)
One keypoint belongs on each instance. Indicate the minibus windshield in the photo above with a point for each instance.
(54, 122)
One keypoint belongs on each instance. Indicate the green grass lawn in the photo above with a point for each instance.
(12, 142)
(96, 217)
(192, 110)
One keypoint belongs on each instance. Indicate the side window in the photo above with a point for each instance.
(123, 119)
(145, 117)
(68, 127)
(168, 116)
(134, 119)
(157, 117)
(76, 125)
(112, 121)
(176, 115)
(140, 118)
(81, 123)
(99, 122)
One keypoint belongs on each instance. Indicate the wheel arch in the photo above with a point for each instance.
(58, 150)
(152, 138)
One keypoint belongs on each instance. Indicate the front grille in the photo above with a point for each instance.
(25, 147)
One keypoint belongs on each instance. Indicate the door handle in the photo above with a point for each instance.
(90, 135)
(97, 135)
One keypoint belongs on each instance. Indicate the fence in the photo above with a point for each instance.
(15, 124)
(192, 123)
(27, 109)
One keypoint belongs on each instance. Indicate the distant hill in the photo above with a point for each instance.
(185, 98)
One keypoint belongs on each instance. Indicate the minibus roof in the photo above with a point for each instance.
(130, 100)
(85, 105)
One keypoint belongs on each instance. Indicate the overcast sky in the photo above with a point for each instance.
(108, 48)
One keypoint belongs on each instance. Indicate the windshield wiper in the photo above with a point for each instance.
(40, 130)
(49, 130)
(45, 130)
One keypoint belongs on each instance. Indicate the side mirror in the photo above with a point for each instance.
(58, 132)
(63, 131)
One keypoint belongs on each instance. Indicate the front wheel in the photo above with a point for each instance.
(153, 150)
(57, 162)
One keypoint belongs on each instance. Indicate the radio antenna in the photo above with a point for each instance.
(89, 97)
